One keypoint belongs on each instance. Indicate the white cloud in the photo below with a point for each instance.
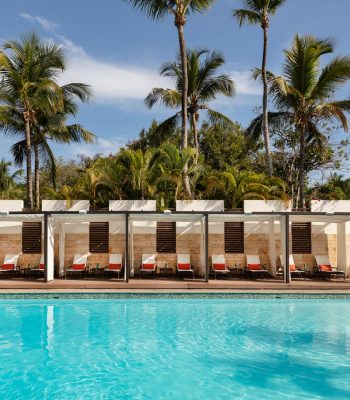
(101, 146)
(245, 83)
(44, 22)
(110, 82)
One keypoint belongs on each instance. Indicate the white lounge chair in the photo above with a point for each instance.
(115, 265)
(325, 268)
(148, 265)
(218, 264)
(254, 268)
(183, 265)
(40, 269)
(9, 266)
(79, 265)
(294, 271)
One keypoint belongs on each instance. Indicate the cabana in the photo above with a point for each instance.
(167, 234)
(22, 233)
(79, 231)
(259, 229)
(323, 232)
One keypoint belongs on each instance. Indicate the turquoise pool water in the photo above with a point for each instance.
(174, 349)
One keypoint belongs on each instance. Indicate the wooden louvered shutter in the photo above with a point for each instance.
(301, 238)
(166, 237)
(99, 237)
(31, 237)
(234, 237)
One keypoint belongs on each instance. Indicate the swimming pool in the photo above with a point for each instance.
(174, 349)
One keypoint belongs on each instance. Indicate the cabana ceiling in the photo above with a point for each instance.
(330, 219)
(22, 218)
(166, 217)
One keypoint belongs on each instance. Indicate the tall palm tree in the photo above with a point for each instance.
(180, 9)
(48, 127)
(257, 12)
(53, 128)
(305, 95)
(203, 86)
(28, 71)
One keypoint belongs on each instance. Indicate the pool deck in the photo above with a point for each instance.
(20, 285)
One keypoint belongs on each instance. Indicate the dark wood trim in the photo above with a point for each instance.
(166, 237)
(99, 237)
(234, 237)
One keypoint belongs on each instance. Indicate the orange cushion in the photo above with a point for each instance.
(219, 267)
(254, 267)
(148, 266)
(78, 267)
(8, 267)
(115, 266)
(292, 267)
(325, 268)
(184, 266)
(41, 266)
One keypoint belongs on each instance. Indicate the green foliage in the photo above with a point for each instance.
(223, 148)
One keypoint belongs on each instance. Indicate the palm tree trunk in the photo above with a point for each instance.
(265, 122)
(29, 165)
(302, 167)
(195, 135)
(180, 22)
(36, 176)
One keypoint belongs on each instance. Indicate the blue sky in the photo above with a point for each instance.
(119, 51)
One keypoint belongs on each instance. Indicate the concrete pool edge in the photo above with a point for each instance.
(174, 294)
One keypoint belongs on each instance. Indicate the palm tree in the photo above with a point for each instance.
(305, 95)
(174, 163)
(140, 171)
(236, 186)
(180, 9)
(8, 182)
(51, 128)
(28, 71)
(203, 86)
(106, 178)
(257, 12)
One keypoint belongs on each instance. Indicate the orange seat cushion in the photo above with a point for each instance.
(325, 268)
(115, 266)
(8, 267)
(219, 267)
(78, 267)
(41, 266)
(186, 266)
(292, 267)
(254, 267)
(148, 266)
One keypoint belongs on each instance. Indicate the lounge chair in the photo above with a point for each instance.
(115, 265)
(148, 265)
(183, 265)
(294, 271)
(325, 269)
(78, 267)
(9, 266)
(218, 265)
(254, 269)
(40, 269)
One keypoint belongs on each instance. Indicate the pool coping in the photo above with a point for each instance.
(166, 294)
